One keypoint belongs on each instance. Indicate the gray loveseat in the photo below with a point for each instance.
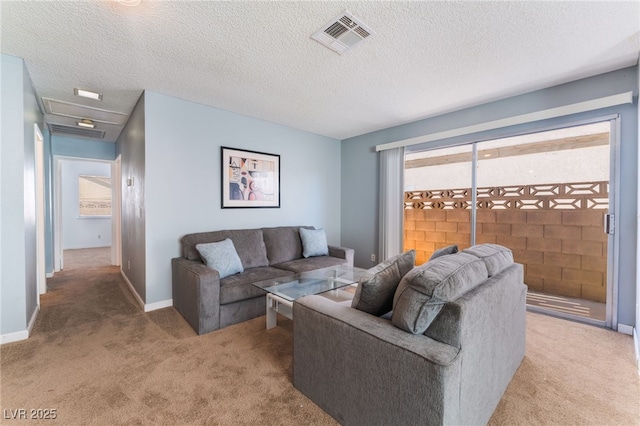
(364, 369)
(209, 303)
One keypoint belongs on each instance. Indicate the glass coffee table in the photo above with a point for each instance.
(283, 291)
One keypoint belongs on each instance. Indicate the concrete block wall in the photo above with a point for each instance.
(564, 252)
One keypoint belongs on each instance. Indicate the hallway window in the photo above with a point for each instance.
(94, 195)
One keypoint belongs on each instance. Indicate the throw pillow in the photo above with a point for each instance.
(444, 251)
(495, 256)
(314, 242)
(423, 291)
(377, 286)
(221, 256)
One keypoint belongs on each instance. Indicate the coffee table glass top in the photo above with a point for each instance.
(293, 287)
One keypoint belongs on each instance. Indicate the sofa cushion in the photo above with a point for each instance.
(240, 286)
(424, 290)
(314, 242)
(312, 263)
(377, 285)
(444, 251)
(283, 243)
(495, 256)
(221, 256)
(249, 245)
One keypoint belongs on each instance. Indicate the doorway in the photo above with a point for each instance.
(86, 222)
(545, 195)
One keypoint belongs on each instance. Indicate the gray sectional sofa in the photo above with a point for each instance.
(444, 355)
(208, 302)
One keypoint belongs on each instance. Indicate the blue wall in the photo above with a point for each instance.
(182, 179)
(360, 163)
(637, 328)
(18, 282)
(82, 148)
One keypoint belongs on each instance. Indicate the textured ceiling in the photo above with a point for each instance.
(257, 58)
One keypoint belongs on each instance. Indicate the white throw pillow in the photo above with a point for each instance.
(221, 256)
(314, 242)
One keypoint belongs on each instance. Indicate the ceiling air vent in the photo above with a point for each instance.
(342, 33)
(76, 131)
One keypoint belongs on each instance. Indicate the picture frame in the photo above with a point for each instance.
(250, 179)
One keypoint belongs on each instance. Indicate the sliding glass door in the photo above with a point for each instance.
(438, 200)
(544, 195)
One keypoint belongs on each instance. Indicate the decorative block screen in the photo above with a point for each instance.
(555, 230)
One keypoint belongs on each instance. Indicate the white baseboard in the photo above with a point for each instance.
(146, 307)
(133, 290)
(636, 341)
(85, 247)
(32, 321)
(625, 329)
(49, 274)
(16, 336)
(158, 305)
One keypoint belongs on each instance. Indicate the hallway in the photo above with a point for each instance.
(87, 258)
(86, 290)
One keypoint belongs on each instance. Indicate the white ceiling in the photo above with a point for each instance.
(257, 58)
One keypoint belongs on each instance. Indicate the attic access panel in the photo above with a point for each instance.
(78, 111)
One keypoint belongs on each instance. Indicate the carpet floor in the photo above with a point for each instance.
(96, 359)
(86, 258)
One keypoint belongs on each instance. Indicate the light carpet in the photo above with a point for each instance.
(97, 359)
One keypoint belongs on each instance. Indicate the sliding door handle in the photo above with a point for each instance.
(609, 224)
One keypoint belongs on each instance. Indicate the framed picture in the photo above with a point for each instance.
(250, 179)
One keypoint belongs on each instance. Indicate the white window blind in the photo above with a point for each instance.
(94, 193)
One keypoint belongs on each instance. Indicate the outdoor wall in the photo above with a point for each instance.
(82, 232)
(183, 179)
(360, 163)
(564, 251)
(18, 284)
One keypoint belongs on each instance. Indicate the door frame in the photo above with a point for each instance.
(116, 211)
(613, 243)
(57, 214)
(116, 235)
(41, 269)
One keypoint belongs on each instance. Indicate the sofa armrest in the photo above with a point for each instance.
(196, 294)
(360, 368)
(342, 253)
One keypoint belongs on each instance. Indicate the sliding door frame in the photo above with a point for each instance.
(474, 192)
(613, 246)
(611, 316)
